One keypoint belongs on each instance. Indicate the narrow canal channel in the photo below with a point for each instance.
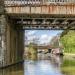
(44, 65)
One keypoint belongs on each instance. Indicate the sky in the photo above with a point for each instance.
(44, 36)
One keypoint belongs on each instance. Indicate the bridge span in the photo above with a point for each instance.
(19, 15)
(40, 14)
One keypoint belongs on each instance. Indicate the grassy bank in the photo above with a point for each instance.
(68, 70)
(68, 65)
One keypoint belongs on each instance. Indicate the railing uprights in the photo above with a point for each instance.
(32, 2)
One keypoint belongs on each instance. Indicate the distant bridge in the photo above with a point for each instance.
(42, 47)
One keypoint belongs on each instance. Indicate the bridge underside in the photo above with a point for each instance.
(17, 23)
(52, 16)
(44, 21)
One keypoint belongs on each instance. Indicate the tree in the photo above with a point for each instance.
(55, 42)
(68, 41)
(32, 51)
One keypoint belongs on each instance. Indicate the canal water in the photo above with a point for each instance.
(44, 65)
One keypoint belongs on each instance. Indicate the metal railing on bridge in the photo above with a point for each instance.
(34, 2)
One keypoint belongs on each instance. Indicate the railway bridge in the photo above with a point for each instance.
(16, 16)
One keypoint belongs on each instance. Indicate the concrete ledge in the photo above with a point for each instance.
(10, 65)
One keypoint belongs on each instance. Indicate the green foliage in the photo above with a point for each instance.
(32, 48)
(68, 63)
(32, 51)
(68, 41)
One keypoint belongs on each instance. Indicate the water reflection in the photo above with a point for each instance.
(44, 66)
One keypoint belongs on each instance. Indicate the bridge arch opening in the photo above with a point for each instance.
(42, 42)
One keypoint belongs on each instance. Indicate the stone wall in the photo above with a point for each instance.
(2, 40)
(11, 42)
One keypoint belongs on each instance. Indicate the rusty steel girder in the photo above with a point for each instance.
(42, 9)
(44, 23)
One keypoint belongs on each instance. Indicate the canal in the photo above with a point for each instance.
(44, 65)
